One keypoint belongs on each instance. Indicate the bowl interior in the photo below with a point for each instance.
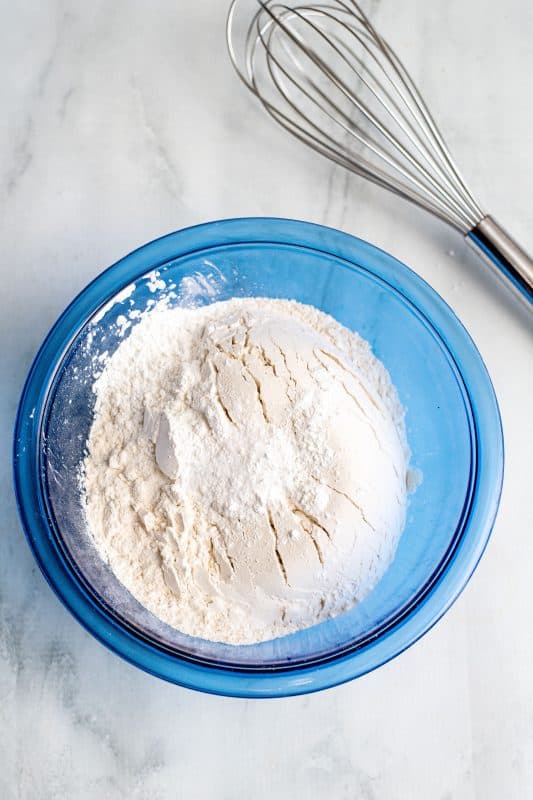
(439, 426)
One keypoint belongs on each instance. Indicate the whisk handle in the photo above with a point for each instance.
(501, 252)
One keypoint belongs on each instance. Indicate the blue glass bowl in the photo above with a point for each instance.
(453, 427)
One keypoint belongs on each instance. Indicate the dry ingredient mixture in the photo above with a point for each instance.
(246, 468)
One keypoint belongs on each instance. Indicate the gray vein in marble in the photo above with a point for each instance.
(22, 157)
(22, 150)
(60, 671)
(165, 163)
(65, 101)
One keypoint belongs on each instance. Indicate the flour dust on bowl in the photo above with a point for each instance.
(452, 425)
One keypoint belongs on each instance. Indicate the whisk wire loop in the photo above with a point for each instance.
(323, 72)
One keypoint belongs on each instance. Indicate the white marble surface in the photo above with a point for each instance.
(122, 121)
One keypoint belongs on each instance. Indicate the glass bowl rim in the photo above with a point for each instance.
(476, 527)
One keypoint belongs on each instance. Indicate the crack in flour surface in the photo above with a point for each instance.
(246, 468)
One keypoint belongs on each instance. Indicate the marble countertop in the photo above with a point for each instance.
(123, 121)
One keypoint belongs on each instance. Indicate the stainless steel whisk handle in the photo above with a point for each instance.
(505, 256)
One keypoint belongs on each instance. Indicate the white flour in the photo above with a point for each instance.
(246, 468)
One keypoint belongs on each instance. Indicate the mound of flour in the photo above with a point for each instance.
(246, 468)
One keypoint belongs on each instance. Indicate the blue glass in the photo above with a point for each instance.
(453, 427)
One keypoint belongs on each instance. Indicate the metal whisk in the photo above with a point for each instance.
(323, 72)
